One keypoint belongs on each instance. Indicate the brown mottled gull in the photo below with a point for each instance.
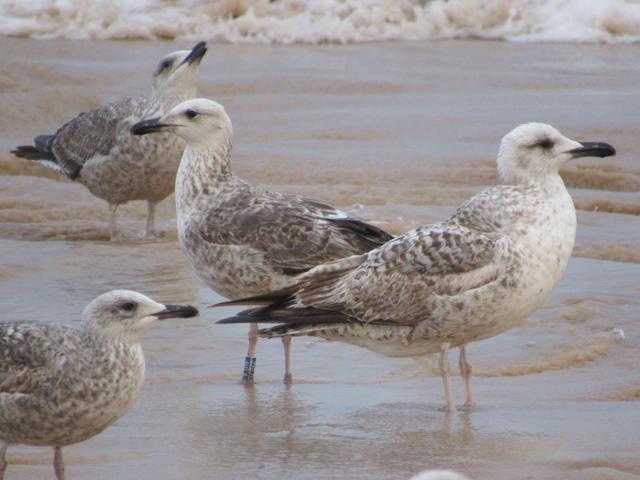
(240, 239)
(473, 276)
(61, 385)
(97, 149)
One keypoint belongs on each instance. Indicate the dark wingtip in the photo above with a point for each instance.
(29, 152)
(236, 319)
(277, 296)
(23, 150)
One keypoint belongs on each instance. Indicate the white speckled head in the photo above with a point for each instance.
(125, 314)
(533, 151)
(180, 71)
(199, 121)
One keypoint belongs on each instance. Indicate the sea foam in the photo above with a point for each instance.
(325, 21)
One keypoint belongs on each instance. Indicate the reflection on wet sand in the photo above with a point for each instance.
(263, 433)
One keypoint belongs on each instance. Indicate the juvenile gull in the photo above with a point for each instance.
(473, 276)
(97, 149)
(60, 385)
(240, 239)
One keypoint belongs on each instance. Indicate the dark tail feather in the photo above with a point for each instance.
(370, 235)
(31, 153)
(291, 317)
(40, 151)
(278, 297)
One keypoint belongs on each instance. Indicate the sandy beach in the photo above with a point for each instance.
(400, 133)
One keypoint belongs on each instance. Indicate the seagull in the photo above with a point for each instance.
(97, 150)
(478, 273)
(240, 239)
(61, 385)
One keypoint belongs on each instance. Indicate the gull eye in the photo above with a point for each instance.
(545, 143)
(191, 113)
(128, 307)
(166, 64)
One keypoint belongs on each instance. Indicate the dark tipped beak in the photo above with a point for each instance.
(148, 126)
(593, 149)
(177, 311)
(196, 53)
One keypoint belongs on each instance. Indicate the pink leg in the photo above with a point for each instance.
(112, 221)
(58, 463)
(446, 380)
(150, 229)
(250, 359)
(466, 369)
(286, 343)
(3, 462)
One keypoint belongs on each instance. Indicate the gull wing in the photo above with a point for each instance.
(390, 285)
(397, 280)
(292, 233)
(31, 355)
(88, 136)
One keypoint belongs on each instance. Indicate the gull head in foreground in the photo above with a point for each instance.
(97, 149)
(536, 151)
(199, 121)
(125, 315)
(61, 385)
(470, 277)
(243, 240)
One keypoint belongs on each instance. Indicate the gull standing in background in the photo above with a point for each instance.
(473, 276)
(240, 239)
(97, 149)
(61, 385)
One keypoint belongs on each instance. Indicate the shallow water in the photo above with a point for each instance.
(400, 133)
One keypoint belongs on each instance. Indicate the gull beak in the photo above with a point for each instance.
(196, 54)
(176, 311)
(593, 149)
(151, 125)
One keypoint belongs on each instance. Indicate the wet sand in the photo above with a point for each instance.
(400, 133)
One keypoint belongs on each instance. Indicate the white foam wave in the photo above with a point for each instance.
(325, 21)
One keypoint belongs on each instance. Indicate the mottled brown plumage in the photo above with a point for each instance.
(61, 385)
(241, 239)
(473, 276)
(97, 149)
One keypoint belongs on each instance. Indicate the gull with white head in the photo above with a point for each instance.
(61, 385)
(97, 150)
(478, 273)
(240, 239)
